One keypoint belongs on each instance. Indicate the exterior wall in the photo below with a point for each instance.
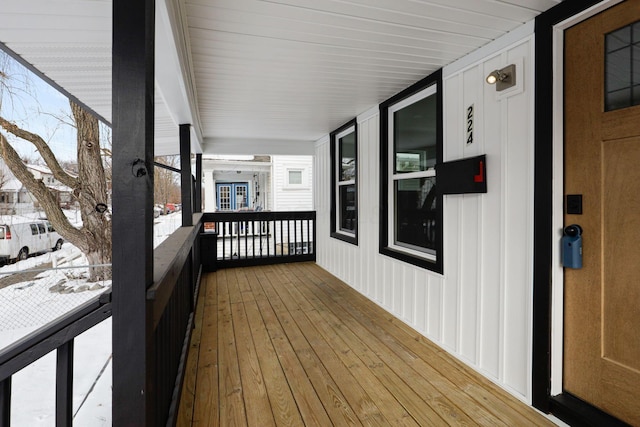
(289, 197)
(480, 308)
(209, 190)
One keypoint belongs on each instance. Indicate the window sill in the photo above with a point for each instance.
(296, 187)
(434, 265)
(345, 238)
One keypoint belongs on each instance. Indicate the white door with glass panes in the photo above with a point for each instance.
(232, 196)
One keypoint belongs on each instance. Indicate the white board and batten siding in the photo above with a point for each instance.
(480, 309)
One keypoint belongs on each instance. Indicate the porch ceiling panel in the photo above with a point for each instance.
(288, 71)
(297, 69)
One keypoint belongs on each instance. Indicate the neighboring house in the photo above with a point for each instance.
(259, 183)
(292, 183)
(63, 193)
(16, 199)
(248, 183)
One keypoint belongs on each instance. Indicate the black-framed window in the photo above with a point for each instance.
(410, 148)
(344, 182)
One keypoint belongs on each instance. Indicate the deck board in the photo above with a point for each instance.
(291, 344)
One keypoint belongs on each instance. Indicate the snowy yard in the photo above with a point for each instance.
(29, 305)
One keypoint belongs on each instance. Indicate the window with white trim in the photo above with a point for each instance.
(411, 146)
(344, 184)
(294, 177)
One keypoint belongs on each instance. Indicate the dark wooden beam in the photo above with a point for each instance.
(198, 195)
(133, 146)
(185, 175)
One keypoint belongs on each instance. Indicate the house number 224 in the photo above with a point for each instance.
(470, 124)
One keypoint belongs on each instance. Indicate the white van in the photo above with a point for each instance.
(17, 241)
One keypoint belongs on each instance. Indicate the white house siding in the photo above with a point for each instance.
(287, 197)
(480, 308)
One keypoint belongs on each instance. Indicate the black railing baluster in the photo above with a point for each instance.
(224, 239)
(281, 238)
(246, 240)
(275, 238)
(231, 240)
(64, 385)
(5, 402)
(268, 234)
(288, 245)
(253, 238)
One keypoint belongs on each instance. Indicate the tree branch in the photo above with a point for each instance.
(44, 150)
(40, 191)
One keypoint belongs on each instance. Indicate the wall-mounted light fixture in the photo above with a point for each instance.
(503, 78)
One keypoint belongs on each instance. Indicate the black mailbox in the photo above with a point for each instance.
(462, 176)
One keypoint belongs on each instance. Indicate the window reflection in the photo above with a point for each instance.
(347, 157)
(415, 201)
(348, 208)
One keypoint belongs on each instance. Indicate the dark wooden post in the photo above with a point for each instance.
(198, 195)
(64, 385)
(5, 402)
(133, 115)
(185, 175)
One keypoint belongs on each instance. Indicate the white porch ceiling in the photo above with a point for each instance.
(260, 75)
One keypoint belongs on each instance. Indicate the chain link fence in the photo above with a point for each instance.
(39, 296)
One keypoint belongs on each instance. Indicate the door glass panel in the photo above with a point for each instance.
(636, 63)
(619, 38)
(618, 99)
(618, 69)
(241, 196)
(224, 197)
(622, 65)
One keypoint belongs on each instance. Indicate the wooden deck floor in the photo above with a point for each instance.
(292, 345)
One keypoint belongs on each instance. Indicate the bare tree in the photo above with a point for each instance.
(165, 182)
(89, 187)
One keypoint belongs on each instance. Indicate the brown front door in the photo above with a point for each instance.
(602, 164)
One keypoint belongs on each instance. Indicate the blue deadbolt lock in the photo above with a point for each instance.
(572, 247)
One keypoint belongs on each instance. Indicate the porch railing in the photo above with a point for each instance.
(170, 310)
(234, 239)
(243, 238)
(170, 302)
(57, 336)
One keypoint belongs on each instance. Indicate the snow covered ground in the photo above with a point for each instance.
(29, 305)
